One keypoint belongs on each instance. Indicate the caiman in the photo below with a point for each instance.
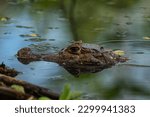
(76, 58)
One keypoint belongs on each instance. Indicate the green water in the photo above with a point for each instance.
(110, 23)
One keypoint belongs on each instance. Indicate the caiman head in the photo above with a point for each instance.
(76, 58)
(81, 54)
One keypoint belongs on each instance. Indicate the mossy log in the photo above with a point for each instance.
(7, 93)
(31, 90)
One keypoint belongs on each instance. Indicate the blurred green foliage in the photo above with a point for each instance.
(67, 94)
(87, 18)
(93, 17)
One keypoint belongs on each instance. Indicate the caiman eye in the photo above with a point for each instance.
(74, 49)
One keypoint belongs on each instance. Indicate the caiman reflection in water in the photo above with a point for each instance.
(77, 58)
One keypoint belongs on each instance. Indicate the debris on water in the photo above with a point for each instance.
(37, 39)
(50, 27)
(6, 33)
(128, 23)
(53, 28)
(30, 35)
(32, 68)
(127, 16)
(139, 52)
(32, 31)
(27, 27)
(51, 39)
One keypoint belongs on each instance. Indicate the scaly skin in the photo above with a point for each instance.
(75, 56)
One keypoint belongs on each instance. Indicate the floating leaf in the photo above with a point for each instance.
(43, 98)
(66, 94)
(119, 52)
(146, 38)
(18, 88)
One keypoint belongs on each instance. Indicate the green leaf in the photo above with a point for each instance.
(66, 94)
(18, 88)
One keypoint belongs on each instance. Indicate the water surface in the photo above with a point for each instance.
(109, 24)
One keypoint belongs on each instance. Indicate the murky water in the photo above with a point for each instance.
(110, 24)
